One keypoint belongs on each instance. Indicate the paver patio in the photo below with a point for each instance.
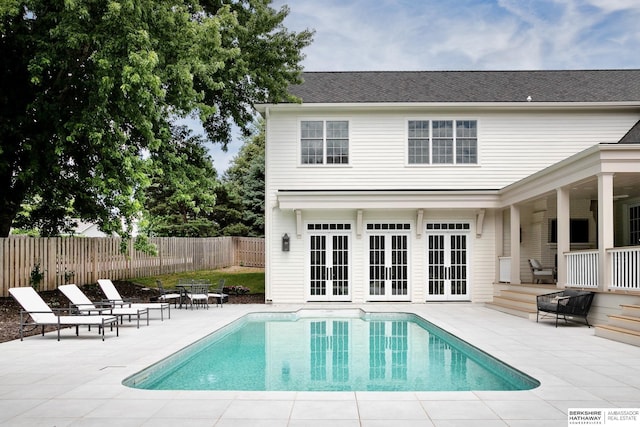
(77, 381)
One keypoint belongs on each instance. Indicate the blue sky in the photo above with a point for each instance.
(357, 35)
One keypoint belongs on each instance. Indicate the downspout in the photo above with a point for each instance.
(268, 212)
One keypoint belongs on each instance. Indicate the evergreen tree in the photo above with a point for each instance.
(182, 194)
(246, 177)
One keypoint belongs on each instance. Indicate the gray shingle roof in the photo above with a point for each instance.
(470, 86)
(633, 136)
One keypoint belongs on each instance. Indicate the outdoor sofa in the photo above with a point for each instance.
(567, 304)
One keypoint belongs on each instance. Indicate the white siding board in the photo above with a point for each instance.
(483, 261)
(511, 147)
(287, 275)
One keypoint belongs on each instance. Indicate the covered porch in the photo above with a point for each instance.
(580, 217)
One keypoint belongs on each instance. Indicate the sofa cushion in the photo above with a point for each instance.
(548, 306)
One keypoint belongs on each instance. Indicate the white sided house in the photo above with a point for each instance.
(438, 186)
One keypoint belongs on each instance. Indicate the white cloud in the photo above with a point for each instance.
(467, 34)
(615, 5)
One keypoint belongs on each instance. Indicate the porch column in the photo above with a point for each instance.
(515, 244)
(605, 229)
(563, 227)
(499, 241)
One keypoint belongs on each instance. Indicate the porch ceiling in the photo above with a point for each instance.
(625, 186)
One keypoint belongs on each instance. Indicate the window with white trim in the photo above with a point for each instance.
(442, 142)
(324, 142)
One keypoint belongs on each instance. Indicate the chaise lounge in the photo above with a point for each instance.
(565, 304)
(42, 315)
(85, 306)
(113, 296)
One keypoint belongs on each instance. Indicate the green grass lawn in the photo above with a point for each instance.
(250, 277)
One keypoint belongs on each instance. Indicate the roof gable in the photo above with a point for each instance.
(469, 86)
(633, 136)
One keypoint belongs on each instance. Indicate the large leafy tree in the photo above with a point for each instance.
(183, 187)
(87, 87)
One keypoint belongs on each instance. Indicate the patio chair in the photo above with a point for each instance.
(166, 295)
(84, 305)
(568, 303)
(540, 273)
(42, 315)
(199, 295)
(112, 294)
(218, 294)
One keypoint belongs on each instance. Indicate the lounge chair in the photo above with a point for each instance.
(167, 296)
(218, 294)
(113, 296)
(42, 315)
(568, 303)
(85, 306)
(540, 273)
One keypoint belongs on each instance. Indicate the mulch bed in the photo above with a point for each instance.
(10, 309)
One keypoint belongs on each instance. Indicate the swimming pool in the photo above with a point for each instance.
(331, 350)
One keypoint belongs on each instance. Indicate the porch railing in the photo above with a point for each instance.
(625, 268)
(582, 269)
(504, 263)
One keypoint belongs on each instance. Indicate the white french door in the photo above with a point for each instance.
(329, 262)
(388, 272)
(448, 262)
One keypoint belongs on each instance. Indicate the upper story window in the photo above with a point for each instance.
(439, 142)
(324, 142)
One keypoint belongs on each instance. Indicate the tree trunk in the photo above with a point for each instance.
(9, 207)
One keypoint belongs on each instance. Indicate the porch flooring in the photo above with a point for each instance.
(78, 381)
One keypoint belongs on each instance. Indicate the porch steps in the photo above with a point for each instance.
(624, 327)
(631, 309)
(517, 302)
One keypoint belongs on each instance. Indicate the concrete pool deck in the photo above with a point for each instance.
(77, 381)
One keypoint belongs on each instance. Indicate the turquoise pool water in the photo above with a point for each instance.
(315, 350)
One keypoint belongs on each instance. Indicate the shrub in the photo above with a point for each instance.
(236, 290)
(36, 276)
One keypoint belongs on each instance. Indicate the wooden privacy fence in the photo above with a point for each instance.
(84, 260)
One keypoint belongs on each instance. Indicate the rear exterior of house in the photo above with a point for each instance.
(433, 186)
